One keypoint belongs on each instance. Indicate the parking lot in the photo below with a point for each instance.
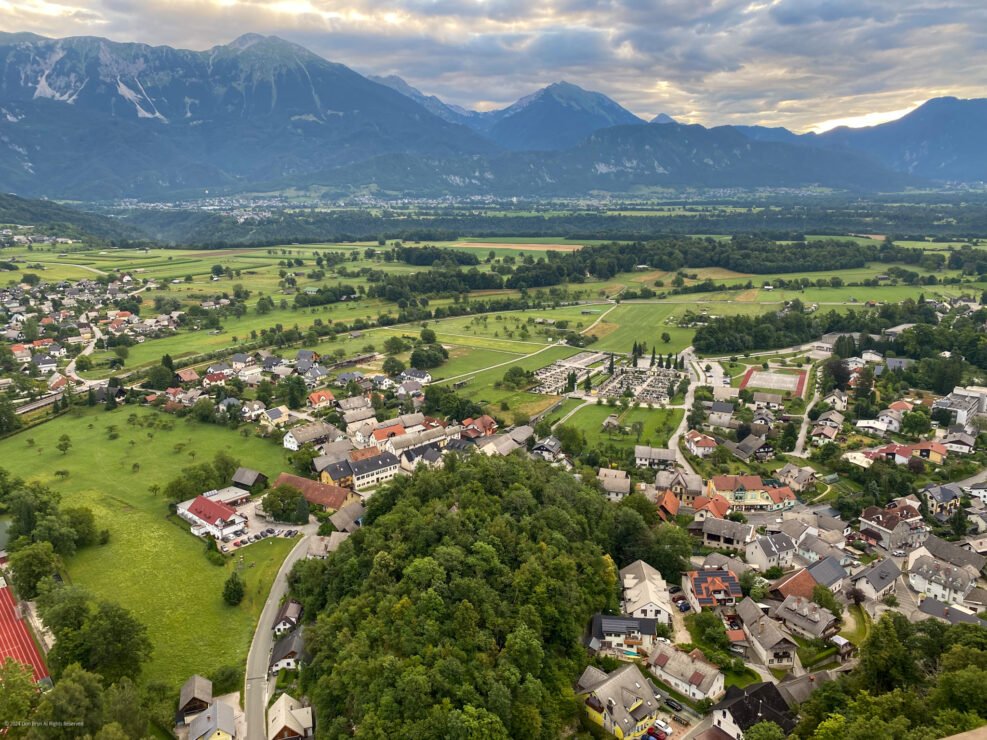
(257, 528)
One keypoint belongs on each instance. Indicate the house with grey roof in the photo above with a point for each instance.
(195, 697)
(771, 551)
(768, 642)
(741, 709)
(349, 518)
(624, 700)
(616, 484)
(248, 479)
(806, 618)
(688, 673)
(653, 457)
(216, 720)
(288, 652)
(622, 636)
(950, 613)
(949, 552)
(940, 580)
(726, 534)
(828, 572)
(877, 580)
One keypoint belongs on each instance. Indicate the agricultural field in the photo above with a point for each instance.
(152, 564)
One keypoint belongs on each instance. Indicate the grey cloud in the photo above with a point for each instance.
(794, 62)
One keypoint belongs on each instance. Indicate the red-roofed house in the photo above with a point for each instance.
(209, 517)
(481, 426)
(213, 379)
(716, 507)
(188, 375)
(711, 587)
(934, 452)
(800, 583)
(748, 493)
(699, 444)
(319, 495)
(379, 436)
(668, 506)
(321, 399)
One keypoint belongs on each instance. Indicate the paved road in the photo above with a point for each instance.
(87, 350)
(695, 378)
(256, 689)
(806, 424)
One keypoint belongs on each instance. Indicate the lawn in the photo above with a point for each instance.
(480, 386)
(152, 565)
(659, 425)
(861, 625)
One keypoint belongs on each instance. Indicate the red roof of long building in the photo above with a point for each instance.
(320, 494)
(212, 512)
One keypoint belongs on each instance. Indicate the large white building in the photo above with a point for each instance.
(209, 517)
(645, 593)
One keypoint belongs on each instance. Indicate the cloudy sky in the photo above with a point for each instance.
(805, 64)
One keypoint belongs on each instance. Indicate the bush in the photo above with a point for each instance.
(234, 589)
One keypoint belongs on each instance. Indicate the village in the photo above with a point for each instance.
(768, 468)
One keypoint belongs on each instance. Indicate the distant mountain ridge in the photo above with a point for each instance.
(91, 119)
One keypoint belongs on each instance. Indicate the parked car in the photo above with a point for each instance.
(224, 548)
(269, 531)
(898, 553)
(680, 719)
(673, 704)
(684, 606)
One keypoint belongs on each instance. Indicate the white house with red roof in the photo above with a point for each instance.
(213, 379)
(699, 444)
(210, 517)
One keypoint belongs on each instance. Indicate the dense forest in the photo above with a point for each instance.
(912, 681)
(457, 609)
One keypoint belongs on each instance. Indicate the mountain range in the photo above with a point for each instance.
(91, 119)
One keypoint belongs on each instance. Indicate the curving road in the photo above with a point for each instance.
(257, 690)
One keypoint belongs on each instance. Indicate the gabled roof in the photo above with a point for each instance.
(626, 694)
(291, 645)
(738, 482)
(209, 511)
(196, 687)
(764, 630)
(954, 554)
(805, 615)
(247, 476)
(345, 520)
(759, 702)
(691, 668)
(218, 716)
(737, 531)
(643, 585)
(706, 582)
(717, 506)
(827, 572)
(879, 575)
(319, 494)
(799, 583)
(288, 713)
(775, 545)
(290, 611)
